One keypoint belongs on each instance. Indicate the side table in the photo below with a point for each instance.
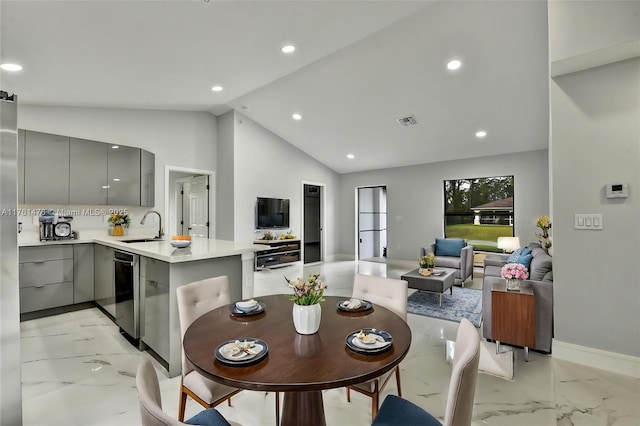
(513, 317)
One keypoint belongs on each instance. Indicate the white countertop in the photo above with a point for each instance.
(201, 248)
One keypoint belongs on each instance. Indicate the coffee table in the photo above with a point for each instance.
(433, 283)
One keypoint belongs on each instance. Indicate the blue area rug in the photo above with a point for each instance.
(463, 303)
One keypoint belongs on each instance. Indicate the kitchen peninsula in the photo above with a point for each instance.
(69, 272)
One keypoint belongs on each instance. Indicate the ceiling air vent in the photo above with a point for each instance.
(407, 121)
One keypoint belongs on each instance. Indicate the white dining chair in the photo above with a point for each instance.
(391, 294)
(151, 412)
(462, 388)
(194, 300)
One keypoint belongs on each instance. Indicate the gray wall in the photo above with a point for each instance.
(415, 198)
(595, 141)
(225, 170)
(265, 165)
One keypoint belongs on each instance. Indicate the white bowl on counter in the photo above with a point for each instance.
(180, 243)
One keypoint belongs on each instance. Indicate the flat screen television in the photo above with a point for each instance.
(272, 213)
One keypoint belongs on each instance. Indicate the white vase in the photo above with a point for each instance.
(306, 318)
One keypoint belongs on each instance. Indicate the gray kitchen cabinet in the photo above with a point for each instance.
(154, 280)
(21, 139)
(147, 178)
(65, 170)
(46, 168)
(83, 274)
(46, 277)
(88, 172)
(123, 172)
(104, 282)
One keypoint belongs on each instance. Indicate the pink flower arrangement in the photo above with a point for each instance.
(515, 271)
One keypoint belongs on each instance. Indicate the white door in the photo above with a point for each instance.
(198, 199)
(193, 216)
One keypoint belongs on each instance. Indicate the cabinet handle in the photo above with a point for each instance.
(39, 286)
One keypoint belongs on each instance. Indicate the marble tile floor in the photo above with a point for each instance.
(77, 370)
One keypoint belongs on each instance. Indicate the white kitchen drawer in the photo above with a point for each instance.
(44, 253)
(45, 297)
(34, 274)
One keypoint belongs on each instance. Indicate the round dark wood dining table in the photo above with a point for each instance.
(299, 365)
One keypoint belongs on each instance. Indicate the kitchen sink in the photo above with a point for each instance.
(141, 240)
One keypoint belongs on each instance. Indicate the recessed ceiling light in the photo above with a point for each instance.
(289, 48)
(217, 88)
(116, 180)
(11, 67)
(115, 147)
(296, 116)
(481, 134)
(351, 156)
(454, 64)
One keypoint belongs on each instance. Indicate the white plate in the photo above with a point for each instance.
(227, 352)
(376, 345)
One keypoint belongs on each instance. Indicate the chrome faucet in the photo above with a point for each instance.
(160, 231)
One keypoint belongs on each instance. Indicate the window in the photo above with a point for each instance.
(479, 210)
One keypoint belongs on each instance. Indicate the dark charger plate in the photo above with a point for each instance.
(237, 312)
(365, 306)
(242, 362)
(373, 351)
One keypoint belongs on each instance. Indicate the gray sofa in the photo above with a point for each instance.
(540, 281)
(462, 264)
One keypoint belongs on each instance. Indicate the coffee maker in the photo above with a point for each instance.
(54, 226)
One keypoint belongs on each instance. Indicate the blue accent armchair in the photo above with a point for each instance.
(446, 258)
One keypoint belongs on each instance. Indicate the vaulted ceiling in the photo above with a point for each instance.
(358, 66)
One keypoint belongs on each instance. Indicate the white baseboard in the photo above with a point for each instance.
(597, 358)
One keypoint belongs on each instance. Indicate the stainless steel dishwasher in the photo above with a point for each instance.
(127, 280)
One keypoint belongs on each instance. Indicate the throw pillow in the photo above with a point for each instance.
(449, 246)
(525, 251)
(525, 260)
(514, 256)
(540, 266)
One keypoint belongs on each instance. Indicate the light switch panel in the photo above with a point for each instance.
(588, 221)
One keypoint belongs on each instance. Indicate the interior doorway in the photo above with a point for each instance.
(312, 223)
(192, 206)
(189, 202)
(372, 223)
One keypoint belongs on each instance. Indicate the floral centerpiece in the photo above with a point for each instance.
(118, 221)
(544, 223)
(428, 261)
(306, 298)
(513, 273)
(307, 292)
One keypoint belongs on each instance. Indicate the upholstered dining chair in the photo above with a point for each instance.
(391, 294)
(194, 300)
(151, 411)
(462, 388)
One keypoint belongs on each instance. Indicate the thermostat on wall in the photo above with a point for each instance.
(617, 190)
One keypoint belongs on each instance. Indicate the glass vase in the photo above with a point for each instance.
(513, 284)
(306, 318)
